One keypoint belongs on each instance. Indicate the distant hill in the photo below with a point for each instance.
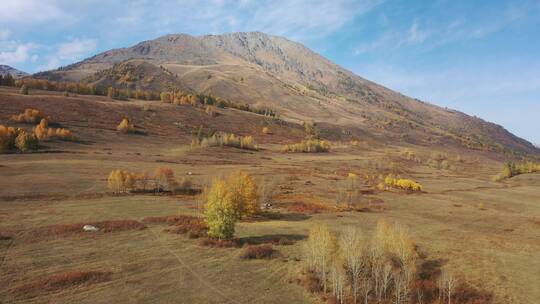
(6, 69)
(301, 85)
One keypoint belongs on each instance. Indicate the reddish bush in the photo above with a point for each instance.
(466, 294)
(194, 227)
(60, 282)
(312, 283)
(265, 251)
(303, 207)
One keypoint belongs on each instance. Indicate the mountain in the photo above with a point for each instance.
(6, 69)
(301, 85)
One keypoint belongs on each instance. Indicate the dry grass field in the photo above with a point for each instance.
(488, 232)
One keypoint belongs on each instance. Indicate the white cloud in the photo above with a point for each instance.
(32, 11)
(416, 35)
(76, 49)
(16, 54)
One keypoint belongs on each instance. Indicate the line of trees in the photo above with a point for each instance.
(163, 179)
(174, 96)
(511, 169)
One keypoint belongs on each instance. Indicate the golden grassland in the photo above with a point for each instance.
(486, 231)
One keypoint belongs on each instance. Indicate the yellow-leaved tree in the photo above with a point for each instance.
(227, 201)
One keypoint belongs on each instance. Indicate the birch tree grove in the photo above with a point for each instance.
(376, 269)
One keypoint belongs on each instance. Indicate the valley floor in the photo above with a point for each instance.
(488, 232)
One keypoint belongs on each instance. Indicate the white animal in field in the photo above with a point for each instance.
(90, 228)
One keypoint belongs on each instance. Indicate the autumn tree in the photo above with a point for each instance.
(7, 138)
(447, 284)
(352, 249)
(126, 126)
(111, 92)
(164, 179)
(227, 201)
(26, 142)
(222, 210)
(120, 181)
(320, 249)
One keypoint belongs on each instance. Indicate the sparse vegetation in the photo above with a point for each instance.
(308, 146)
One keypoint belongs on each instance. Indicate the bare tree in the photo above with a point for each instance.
(352, 248)
(320, 250)
(338, 278)
(447, 284)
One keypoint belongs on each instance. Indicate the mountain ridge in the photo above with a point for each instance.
(272, 71)
(6, 69)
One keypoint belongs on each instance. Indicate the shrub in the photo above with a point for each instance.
(7, 138)
(194, 227)
(126, 126)
(26, 142)
(264, 251)
(227, 201)
(308, 146)
(401, 183)
(32, 116)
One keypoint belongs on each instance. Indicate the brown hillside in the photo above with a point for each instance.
(299, 84)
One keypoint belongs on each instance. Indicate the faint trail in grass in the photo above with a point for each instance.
(193, 272)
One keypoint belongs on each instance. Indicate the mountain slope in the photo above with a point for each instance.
(298, 83)
(6, 69)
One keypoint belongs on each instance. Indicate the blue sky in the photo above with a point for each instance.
(480, 57)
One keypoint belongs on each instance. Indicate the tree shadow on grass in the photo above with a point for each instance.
(274, 239)
(278, 216)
